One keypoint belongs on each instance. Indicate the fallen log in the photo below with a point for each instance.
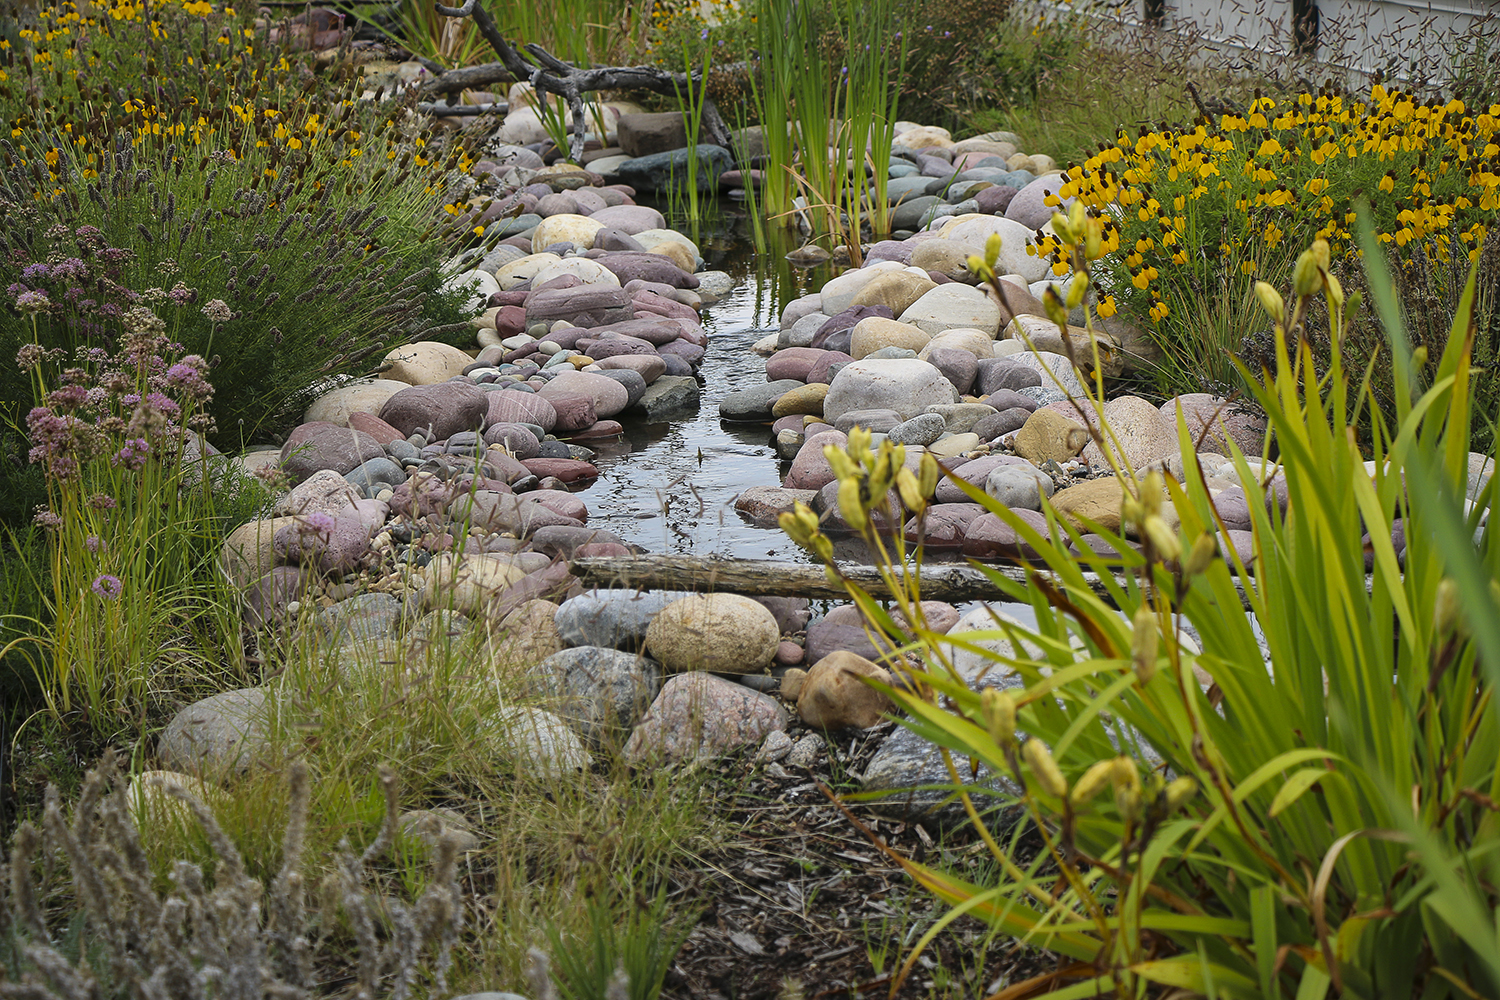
(765, 578)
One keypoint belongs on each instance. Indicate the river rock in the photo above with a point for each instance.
(906, 386)
(944, 525)
(958, 366)
(602, 693)
(756, 402)
(1144, 433)
(327, 446)
(834, 694)
(515, 407)
(1034, 205)
(615, 619)
(975, 231)
(360, 396)
(874, 333)
(425, 363)
(953, 306)
(526, 636)
(1019, 486)
(896, 290)
(923, 429)
(804, 399)
(1049, 436)
(763, 505)
(697, 715)
(578, 230)
(228, 732)
(723, 633)
(1097, 501)
(911, 770)
(540, 744)
(1238, 422)
(811, 469)
(440, 410)
(608, 395)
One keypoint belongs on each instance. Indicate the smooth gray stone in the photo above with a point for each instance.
(614, 619)
(600, 693)
(756, 402)
(890, 354)
(633, 381)
(906, 761)
(372, 476)
(669, 395)
(922, 429)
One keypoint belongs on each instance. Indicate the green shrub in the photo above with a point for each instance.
(179, 157)
(1322, 814)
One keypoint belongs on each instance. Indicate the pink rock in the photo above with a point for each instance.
(819, 370)
(698, 714)
(574, 412)
(444, 409)
(788, 653)
(989, 537)
(601, 429)
(517, 407)
(375, 427)
(609, 550)
(944, 525)
(810, 469)
(562, 502)
(568, 470)
(327, 447)
(793, 362)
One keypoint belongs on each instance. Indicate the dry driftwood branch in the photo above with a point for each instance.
(550, 75)
(955, 584)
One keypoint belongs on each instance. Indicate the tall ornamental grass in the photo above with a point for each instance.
(208, 158)
(1213, 819)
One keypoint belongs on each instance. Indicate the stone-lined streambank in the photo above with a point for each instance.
(442, 499)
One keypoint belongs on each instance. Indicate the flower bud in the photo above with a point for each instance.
(1062, 227)
(1077, 219)
(1077, 289)
(1447, 611)
(1127, 786)
(1145, 639)
(977, 267)
(1179, 792)
(1306, 278)
(839, 461)
(822, 547)
(1198, 560)
(1162, 538)
(1091, 784)
(1151, 489)
(911, 492)
(992, 250)
(1048, 775)
(851, 504)
(859, 444)
(1335, 291)
(1321, 254)
(927, 475)
(1053, 304)
(999, 708)
(1271, 301)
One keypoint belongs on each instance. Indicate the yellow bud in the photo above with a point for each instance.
(1127, 785)
(791, 528)
(1271, 301)
(1062, 227)
(822, 547)
(1179, 792)
(1307, 278)
(1131, 511)
(1151, 489)
(1053, 303)
(911, 492)
(1320, 252)
(1077, 289)
(1335, 291)
(992, 250)
(851, 504)
(1048, 775)
(1091, 784)
(1093, 247)
(1162, 538)
(977, 266)
(1077, 219)
(1447, 611)
(927, 476)
(999, 708)
(1204, 550)
(1144, 641)
(839, 460)
(859, 444)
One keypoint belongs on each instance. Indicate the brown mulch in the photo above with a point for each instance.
(802, 904)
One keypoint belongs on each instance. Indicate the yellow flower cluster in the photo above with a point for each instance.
(1217, 194)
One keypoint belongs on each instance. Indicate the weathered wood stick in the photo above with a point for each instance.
(765, 578)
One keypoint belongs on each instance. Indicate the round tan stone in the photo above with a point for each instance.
(976, 342)
(835, 695)
(590, 272)
(722, 633)
(874, 333)
(1048, 435)
(1098, 500)
(896, 291)
(677, 254)
(518, 271)
(578, 230)
(248, 553)
(367, 395)
(925, 136)
(470, 585)
(426, 362)
(808, 399)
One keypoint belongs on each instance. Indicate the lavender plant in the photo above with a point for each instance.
(118, 434)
